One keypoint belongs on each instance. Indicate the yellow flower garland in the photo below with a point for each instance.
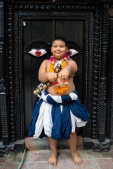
(51, 67)
(64, 63)
(61, 90)
(64, 88)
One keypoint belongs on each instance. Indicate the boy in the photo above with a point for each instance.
(58, 105)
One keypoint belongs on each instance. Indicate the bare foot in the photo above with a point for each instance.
(30, 143)
(77, 159)
(52, 159)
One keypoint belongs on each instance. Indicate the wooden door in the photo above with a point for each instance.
(46, 30)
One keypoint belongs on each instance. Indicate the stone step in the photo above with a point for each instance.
(43, 143)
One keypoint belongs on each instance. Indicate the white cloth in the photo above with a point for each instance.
(45, 119)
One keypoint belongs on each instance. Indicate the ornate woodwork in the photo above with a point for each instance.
(97, 73)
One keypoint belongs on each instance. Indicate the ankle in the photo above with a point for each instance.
(54, 154)
(74, 153)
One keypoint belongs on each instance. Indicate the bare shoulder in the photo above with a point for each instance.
(73, 64)
(43, 66)
(72, 61)
(45, 62)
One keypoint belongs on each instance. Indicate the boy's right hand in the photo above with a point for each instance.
(52, 76)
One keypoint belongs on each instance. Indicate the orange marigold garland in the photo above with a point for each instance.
(51, 67)
(59, 89)
(64, 63)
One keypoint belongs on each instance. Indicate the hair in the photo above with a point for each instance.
(60, 38)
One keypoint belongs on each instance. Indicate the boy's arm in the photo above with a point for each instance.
(43, 75)
(68, 71)
(71, 67)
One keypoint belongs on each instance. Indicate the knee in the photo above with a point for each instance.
(72, 134)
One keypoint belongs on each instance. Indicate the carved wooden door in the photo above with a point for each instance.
(90, 26)
(46, 30)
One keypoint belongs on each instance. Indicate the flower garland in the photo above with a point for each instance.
(59, 89)
(64, 63)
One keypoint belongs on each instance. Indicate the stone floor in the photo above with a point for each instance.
(38, 159)
(91, 160)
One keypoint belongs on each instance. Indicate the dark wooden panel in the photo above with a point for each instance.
(46, 30)
(72, 30)
(56, 24)
(35, 30)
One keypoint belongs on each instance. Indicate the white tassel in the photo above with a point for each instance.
(73, 52)
(37, 53)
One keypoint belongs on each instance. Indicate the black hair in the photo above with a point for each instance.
(60, 38)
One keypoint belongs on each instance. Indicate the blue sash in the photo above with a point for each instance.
(61, 119)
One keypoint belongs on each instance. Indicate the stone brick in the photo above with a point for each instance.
(105, 163)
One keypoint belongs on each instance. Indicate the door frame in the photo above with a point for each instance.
(95, 18)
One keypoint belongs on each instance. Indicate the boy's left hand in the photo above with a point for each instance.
(63, 74)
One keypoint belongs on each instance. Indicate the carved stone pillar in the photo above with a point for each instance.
(3, 109)
(110, 81)
(1, 37)
(3, 113)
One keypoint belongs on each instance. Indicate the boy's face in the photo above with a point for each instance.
(58, 49)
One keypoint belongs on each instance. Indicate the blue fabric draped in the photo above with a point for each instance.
(61, 118)
(34, 117)
(61, 122)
